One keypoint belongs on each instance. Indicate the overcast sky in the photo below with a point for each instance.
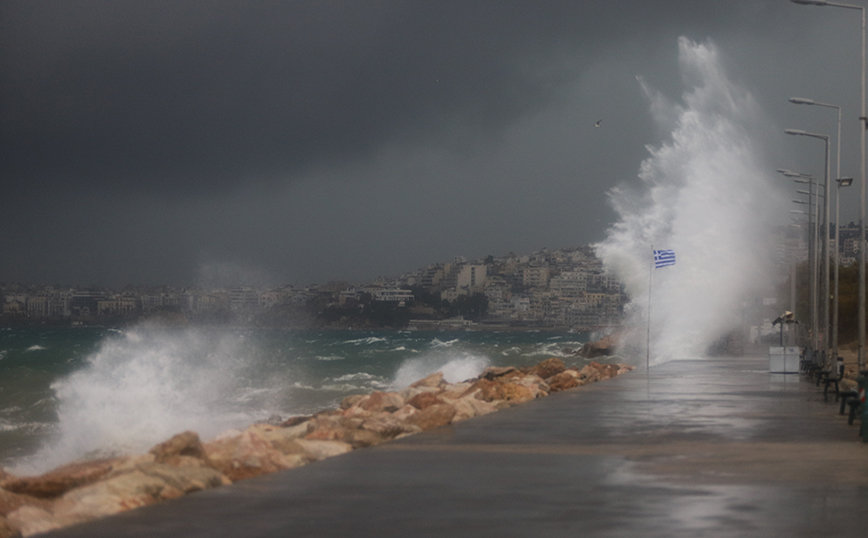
(181, 142)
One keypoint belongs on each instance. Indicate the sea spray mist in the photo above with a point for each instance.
(707, 194)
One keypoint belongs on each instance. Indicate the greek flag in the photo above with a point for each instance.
(663, 258)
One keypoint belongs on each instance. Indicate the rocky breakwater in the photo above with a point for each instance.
(87, 490)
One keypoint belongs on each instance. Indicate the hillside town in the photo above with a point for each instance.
(562, 288)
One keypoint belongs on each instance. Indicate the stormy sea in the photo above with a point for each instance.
(71, 393)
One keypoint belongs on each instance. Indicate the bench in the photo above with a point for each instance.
(850, 398)
(826, 378)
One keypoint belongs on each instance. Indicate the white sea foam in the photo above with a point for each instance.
(366, 341)
(456, 367)
(437, 343)
(143, 388)
(329, 358)
(707, 194)
(36, 347)
(559, 349)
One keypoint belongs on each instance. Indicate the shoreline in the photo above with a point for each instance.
(86, 490)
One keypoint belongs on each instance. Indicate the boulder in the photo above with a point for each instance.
(9, 502)
(117, 494)
(282, 439)
(405, 412)
(454, 391)
(7, 530)
(493, 372)
(29, 520)
(562, 381)
(351, 401)
(424, 400)
(408, 393)
(433, 416)
(332, 428)
(548, 368)
(185, 444)
(382, 401)
(490, 391)
(249, 455)
(609, 370)
(471, 407)
(434, 380)
(320, 450)
(387, 425)
(294, 421)
(362, 438)
(624, 368)
(62, 479)
(534, 383)
(589, 374)
(186, 479)
(601, 348)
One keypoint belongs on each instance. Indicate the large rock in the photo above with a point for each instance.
(590, 374)
(537, 386)
(320, 450)
(7, 530)
(387, 426)
(548, 368)
(433, 416)
(62, 479)
(408, 393)
(562, 381)
(434, 380)
(471, 407)
(352, 400)
(146, 485)
(332, 427)
(173, 451)
(405, 412)
(186, 479)
(491, 391)
(282, 439)
(453, 391)
(601, 348)
(249, 455)
(424, 400)
(30, 520)
(382, 401)
(117, 494)
(9, 502)
(494, 372)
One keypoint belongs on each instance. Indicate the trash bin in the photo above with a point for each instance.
(862, 381)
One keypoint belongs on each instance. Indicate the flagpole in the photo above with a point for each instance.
(648, 333)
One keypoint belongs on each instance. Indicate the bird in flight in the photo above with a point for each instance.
(598, 123)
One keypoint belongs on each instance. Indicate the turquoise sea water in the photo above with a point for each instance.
(69, 393)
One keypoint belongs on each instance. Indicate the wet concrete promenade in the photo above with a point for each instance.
(714, 447)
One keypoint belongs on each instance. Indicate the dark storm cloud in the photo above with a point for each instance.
(181, 97)
(161, 142)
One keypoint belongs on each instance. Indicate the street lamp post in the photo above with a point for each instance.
(842, 182)
(834, 356)
(813, 241)
(824, 311)
(863, 125)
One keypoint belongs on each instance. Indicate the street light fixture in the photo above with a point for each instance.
(824, 313)
(863, 118)
(802, 101)
(813, 240)
(842, 182)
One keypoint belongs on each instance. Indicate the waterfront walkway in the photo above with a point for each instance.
(714, 447)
